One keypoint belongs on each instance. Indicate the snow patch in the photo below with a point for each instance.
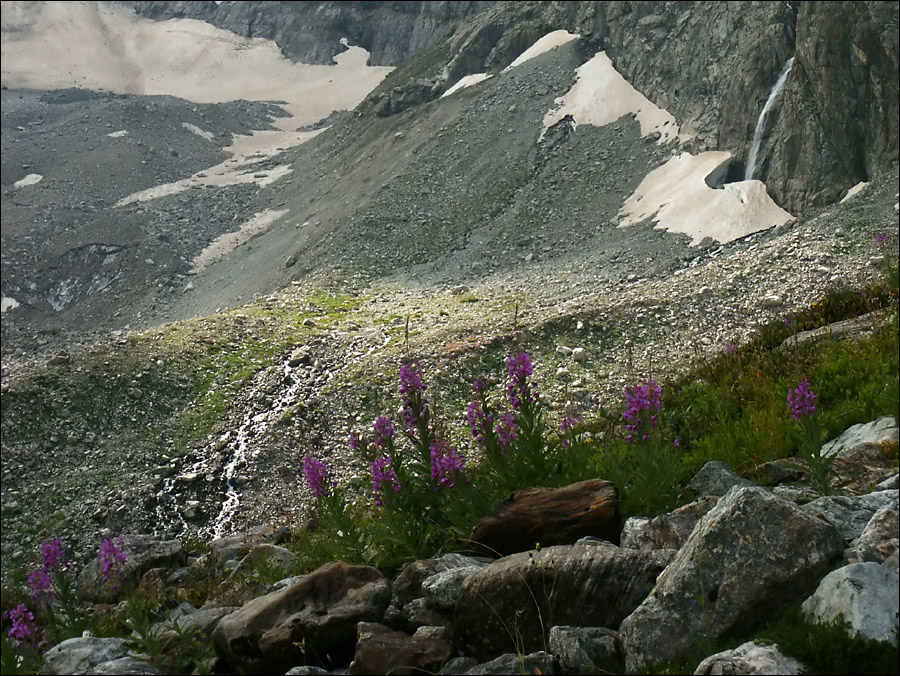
(7, 303)
(601, 96)
(31, 179)
(543, 45)
(466, 81)
(854, 191)
(225, 244)
(677, 196)
(208, 135)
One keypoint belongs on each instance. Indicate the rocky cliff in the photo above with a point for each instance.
(310, 32)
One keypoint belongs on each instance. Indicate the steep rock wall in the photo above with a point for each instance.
(839, 116)
(310, 32)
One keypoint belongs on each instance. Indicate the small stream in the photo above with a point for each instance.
(238, 447)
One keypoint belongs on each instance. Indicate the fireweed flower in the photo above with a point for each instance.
(412, 395)
(316, 473)
(802, 400)
(383, 475)
(354, 445)
(507, 430)
(566, 424)
(384, 431)
(40, 583)
(53, 556)
(446, 463)
(479, 422)
(518, 389)
(113, 559)
(23, 626)
(641, 398)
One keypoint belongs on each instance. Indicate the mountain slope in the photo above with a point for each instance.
(448, 228)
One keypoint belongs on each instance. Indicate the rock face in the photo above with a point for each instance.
(544, 517)
(511, 604)
(838, 124)
(313, 620)
(752, 553)
(749, 658)
(310, 32)
(863, 594)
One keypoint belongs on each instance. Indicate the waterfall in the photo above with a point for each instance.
(761, 122)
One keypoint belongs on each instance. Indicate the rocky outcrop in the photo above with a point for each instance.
(313, 620)
(752, 554)
(749, 658)
(78, 655)
(838, 123)
(863, 594)
(310, 32)
(512, 603)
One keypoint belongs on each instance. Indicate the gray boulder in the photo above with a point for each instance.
(879, 541)
(749, 658)
(581, 650)
(752, 555)
(850, 514)
(716, 478)
(510, 605)
(666, 531)
(80, 654)
(310, 622)
(535, 663)
(865, 595)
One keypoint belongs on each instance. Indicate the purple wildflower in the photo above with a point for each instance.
(53, 556)
(383, 473)
(730, 348)
(23, 625)
(676, 443)
(507, 430)
(316, 472)
(479, 385)
(479, 422)
(113, 559)
(518, 388)
(446, 462)
(802, 400)
(641, 398)
(384, 431)
(354, 444)
(40, 583)
(412, 390)
(566, 424)
(882, 239)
